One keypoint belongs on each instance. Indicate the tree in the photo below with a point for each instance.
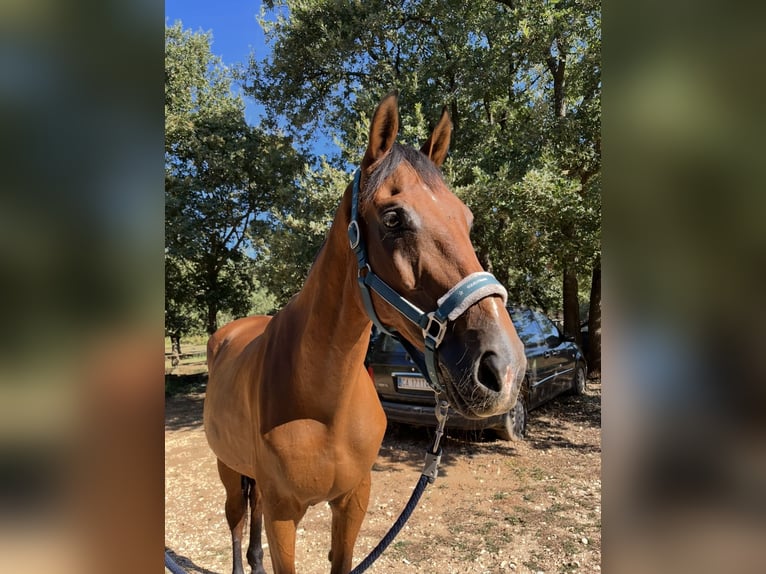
(522, 82)
(561, 35)
(289, 239)
(180, 314)
(221, 174)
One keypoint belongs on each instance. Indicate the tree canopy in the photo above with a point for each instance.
(522, 83)
(221, 174)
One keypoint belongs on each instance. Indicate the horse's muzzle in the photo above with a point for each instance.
(483, 372)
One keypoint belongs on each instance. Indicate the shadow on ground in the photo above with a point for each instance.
(549, 427)
(184, 399)
(404, 447)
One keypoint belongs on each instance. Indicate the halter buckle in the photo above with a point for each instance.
(434, 329)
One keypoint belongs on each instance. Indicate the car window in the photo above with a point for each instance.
(550, 332)
(526, 327)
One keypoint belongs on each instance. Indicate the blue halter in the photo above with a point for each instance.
(451, 305)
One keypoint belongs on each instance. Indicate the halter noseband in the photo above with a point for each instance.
(451, 305)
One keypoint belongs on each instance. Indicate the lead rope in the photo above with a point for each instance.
(428, 476)
(171, 565)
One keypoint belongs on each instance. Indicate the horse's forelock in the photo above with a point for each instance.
(422, 165)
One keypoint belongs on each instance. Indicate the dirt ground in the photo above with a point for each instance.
(496, 507)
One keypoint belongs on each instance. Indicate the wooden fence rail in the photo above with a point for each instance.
(173, 360)
(182, 355)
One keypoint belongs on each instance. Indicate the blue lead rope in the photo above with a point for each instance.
(398, 525)
(171, 565)
(430, 470)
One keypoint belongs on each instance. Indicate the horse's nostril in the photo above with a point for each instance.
(490, 371)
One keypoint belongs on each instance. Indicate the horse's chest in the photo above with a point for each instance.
(306, 460)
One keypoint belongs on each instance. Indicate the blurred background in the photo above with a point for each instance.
(81, 212)
(683, 291)
(81, 222)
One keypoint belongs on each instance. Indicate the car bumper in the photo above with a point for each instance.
(424, 415)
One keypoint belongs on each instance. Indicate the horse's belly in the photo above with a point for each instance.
(232, 448)
(229, 428)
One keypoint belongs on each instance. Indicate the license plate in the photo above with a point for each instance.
(412, 383)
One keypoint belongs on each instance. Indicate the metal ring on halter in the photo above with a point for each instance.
(354, 234)
(441, 329)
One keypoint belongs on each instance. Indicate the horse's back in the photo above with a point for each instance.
(228, 411)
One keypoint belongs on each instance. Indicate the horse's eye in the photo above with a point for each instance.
(392, 220)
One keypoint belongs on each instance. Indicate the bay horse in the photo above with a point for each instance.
(290, 411)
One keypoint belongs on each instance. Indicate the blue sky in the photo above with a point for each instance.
(236, 33)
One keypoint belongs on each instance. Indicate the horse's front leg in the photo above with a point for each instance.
(347, 515)
(280, 532)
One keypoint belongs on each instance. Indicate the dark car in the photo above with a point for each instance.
(555, 364)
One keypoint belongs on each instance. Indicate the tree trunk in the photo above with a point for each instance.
(557, 67)
(175, 349)
(212, 318)
(556, 62)
(454, 115)
(594, 322)
(571, 304)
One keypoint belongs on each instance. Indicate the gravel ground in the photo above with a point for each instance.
(496, 507)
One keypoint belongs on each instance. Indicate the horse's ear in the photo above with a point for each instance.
(438, 144)
(383, 128)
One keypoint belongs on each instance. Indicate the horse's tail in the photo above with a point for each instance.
(248, 484)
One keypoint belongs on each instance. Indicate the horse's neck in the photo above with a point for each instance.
(335, 323)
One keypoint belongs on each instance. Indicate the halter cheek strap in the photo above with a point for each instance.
(467, 292)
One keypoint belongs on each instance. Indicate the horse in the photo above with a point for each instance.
(290, 411)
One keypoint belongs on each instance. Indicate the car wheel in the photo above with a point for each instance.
(514, 421)
(578, 383)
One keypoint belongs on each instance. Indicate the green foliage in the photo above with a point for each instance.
(288, 240)
(521, 81)
(220, 175)
(529, 229)
(181, 315)
(246, 214)
(263, 301)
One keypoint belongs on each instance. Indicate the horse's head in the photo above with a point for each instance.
(416, 235)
